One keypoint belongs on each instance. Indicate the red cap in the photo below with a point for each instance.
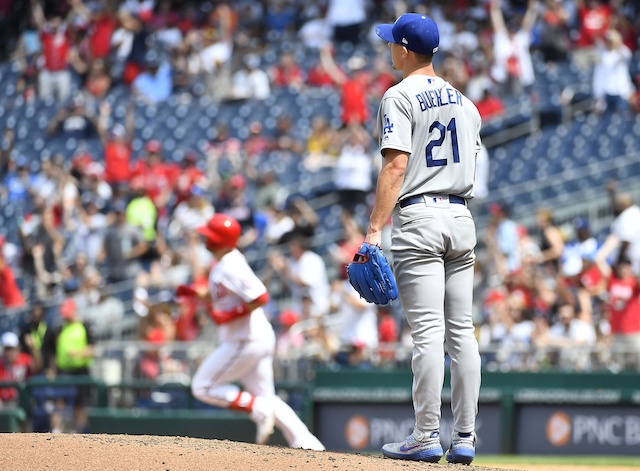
(221, 231)
(67, 308)
(153, 146)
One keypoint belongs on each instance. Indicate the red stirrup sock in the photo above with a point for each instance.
(243, 402)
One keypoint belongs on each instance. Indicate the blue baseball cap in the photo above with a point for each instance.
(416, 32)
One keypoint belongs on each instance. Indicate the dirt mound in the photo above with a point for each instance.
(149, 453)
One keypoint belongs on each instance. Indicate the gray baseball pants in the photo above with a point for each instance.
(432, 244)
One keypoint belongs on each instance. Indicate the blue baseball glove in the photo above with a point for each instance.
(370, 275)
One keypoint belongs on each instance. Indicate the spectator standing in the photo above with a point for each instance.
(551, 240)
(280, 17)
(287, 73)
(594, 17)
(305, 220)
(116, 142)
(583, 246)
(612, 85)
(570, 339)
(132, 39)
(322, 146)
(305, 274)
(46, 244)
(623, 305)
(317, 76)
(26, 56)
(235, 201)
(353, 236)
(45, 183)
(578, 270)
(513, 67)
(32, 333)
(464, 41)
(250, 81)
(143, 214)
(256, 148)
(18, 184)
(124, 245)
(346, 17)
(121, 45)
(269, 191)
(193, 212)
(14, 366)
(354, 168)
(480, 79)
(156, 177)
(103, 22)
(54, 78)
(154, 85)
(10, 294)
(215, 58)
(288, 341)
(503, 240)
(358, 321)
(287, 139)
(624, 239)
(316, 31)
(555, 42)
(68, 351)
(97, 82)
(381, 78)
(91, 226)
(353, 86)
(186, 176)
(278, 222)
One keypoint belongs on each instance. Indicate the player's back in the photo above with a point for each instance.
(231, 283)
(444, 135)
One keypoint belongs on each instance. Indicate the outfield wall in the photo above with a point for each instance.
(523, 413)
(354, 410)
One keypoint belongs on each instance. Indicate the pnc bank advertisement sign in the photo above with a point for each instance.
(592, 430)
(366, 427)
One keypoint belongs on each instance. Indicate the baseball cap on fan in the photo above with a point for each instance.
(416, 32)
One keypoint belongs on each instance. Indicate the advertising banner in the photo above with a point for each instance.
(578, 430)
(368, 426)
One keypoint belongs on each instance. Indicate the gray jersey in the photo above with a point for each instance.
(442, 158)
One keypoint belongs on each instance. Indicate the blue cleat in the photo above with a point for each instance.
(462, 449)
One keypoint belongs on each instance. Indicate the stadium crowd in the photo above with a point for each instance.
(104, 235)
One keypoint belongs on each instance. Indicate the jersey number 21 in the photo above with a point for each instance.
(451, 127)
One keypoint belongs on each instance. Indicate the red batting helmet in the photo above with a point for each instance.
(221, 231)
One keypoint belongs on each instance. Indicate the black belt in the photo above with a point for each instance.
(420, 199)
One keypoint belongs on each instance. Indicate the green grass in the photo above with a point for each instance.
(484, 460)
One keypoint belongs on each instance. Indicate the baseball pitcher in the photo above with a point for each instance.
(429, 140)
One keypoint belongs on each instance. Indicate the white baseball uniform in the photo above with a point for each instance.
(245, 355)
(433, 240)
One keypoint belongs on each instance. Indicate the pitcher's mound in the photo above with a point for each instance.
(35, 452)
